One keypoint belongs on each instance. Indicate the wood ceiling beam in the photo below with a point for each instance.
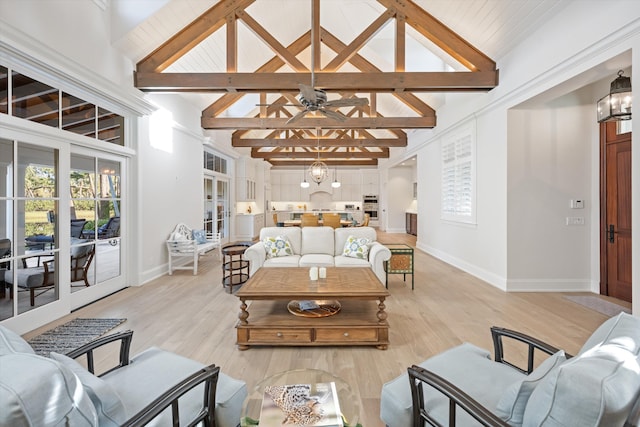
(277, 48)
(309, 142)
(441, 35)
(400, 46)
(362, 64)
(362, 39)
(232, 43)
(191, 35)
(430, 81)
(346, 162)
(318, 122)
(274, 64)
(324, 155)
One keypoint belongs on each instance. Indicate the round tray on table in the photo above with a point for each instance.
(315, 308)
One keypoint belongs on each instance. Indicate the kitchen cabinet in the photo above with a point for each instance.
(246, 190)
(246, 179)
(412, 223)
(248, 226)
(370, 182)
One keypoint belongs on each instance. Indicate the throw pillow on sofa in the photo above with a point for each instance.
(356, 247)
(277, 246)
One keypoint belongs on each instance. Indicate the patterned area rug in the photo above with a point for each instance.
(64, 338)
(598, 304)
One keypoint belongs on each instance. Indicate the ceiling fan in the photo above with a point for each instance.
(315, 100)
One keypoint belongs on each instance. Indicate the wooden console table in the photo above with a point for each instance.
(267, 320)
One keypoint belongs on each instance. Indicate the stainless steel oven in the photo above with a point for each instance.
(370, 206)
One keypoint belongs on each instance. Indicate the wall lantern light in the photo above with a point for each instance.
(617, 104)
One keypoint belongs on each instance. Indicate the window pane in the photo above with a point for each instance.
(109, 179)
(4, 90)
(6, 168)
(110, 127)
(37, 164)
(78, 116)
(34, 101)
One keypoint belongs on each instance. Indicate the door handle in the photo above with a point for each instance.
(611, 233)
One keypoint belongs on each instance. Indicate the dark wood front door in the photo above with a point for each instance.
(615, 215)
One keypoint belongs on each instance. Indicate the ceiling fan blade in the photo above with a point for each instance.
(347, 102)
(297, 117)
(333, 114)
(308, 93)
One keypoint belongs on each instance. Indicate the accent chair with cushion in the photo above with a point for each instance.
(463, 386)
(41, 278)
(40, 391)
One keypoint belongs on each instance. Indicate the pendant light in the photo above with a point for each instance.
(616, 105)
(318, 171)
(304, 183)
(335, 183)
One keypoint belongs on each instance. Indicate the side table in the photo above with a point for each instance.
(233, 269)
(401, 262)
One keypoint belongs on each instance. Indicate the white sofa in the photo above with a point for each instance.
(318, 246)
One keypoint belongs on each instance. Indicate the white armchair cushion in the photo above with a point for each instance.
(356, 247)
(597, 387)
(38, 391)
(277, 246)
(106, 401)
(514, 399)
(10, 342)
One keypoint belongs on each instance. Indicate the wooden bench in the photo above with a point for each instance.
(183, 244)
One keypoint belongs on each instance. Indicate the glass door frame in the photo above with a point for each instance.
(114, 284)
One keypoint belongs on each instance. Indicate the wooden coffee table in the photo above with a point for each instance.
(267, 321)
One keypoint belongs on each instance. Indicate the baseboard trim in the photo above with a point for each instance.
(548, 285)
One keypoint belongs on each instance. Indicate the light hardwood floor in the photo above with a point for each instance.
(195, 317)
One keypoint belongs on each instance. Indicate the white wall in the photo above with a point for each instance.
(170, 183)
(74, 29)
(399, 195)
(550, 154)
(502, 247)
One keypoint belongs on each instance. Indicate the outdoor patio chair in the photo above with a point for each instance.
(110, 230)
(77, 225)
(41, 278)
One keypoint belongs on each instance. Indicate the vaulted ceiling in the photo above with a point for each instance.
(249, 60)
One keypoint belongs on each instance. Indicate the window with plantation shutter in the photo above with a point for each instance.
(458, 176)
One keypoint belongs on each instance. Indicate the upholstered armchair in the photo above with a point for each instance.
(155, 387)
(600, 386)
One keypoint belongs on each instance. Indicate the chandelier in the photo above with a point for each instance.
(318, 171)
